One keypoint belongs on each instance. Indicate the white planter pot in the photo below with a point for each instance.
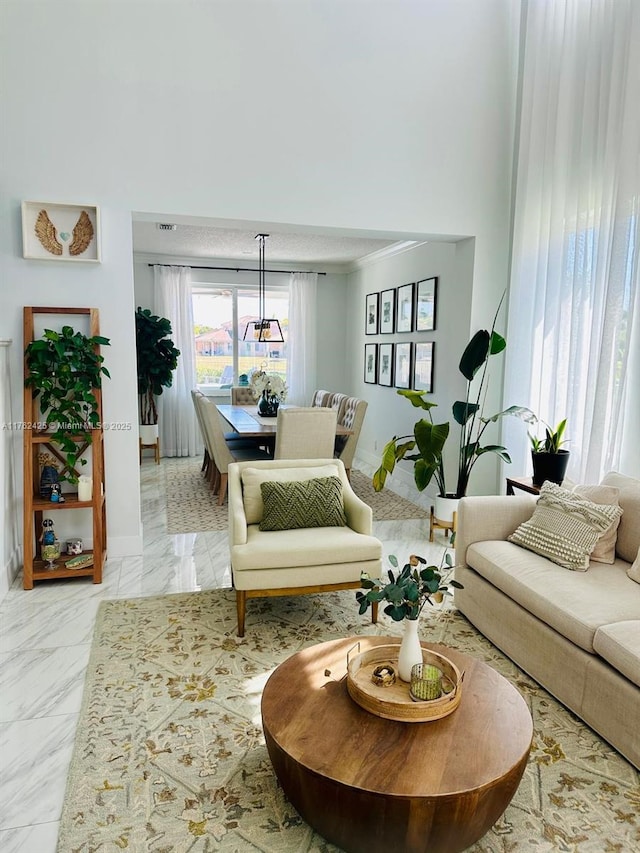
(445, 507)
(148, 433)
(410, 649)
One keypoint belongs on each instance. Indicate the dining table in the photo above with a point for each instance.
(247, 422)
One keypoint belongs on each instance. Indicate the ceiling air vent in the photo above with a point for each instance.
(165, 226)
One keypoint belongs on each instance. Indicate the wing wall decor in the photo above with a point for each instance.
(60, 232)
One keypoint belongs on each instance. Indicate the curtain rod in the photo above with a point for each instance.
(232, 269)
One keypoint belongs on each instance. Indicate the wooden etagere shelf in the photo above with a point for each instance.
(35, 506)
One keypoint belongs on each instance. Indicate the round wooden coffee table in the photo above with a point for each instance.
(369, 784)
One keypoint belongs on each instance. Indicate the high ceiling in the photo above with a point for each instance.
(204, 241)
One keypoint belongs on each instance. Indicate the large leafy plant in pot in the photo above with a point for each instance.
(157, 359)
(426, 445)
(63, 370)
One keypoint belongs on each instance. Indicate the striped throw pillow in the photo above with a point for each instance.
(303, 503)
(564, 527)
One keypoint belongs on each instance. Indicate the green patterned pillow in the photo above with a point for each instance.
(564, 527)
(303, 503)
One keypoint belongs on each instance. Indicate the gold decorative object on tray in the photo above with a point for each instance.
(394, 702)
(384, 675)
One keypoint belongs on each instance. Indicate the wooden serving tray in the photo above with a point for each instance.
(394, 702)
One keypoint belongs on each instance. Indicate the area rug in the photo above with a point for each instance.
(169, 754)
(192, 507)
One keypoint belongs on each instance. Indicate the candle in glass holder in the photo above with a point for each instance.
(84, 488)
(426, 682)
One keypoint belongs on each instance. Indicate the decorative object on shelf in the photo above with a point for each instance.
(48, 476)
(426, 301)
(243, 380)
(404, 308)
(51, 553)
(428, 439)
(60, 232)
(82, 561)
(548, 459)
(56, 494)
(371, 363)
(63, 370)
(426, 682)
(387, 311)
(371, 314)
(407, 594)
(265, 329)
(157, 358)
(48, 535)
(74, 547)
(270, 390)
(85, 488)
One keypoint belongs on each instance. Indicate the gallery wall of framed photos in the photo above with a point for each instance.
(405, 309)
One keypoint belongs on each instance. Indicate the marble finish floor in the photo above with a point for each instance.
(45, 639)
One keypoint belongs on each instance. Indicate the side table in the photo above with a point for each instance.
(525, 484)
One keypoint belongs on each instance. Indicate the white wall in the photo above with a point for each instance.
(373, 116)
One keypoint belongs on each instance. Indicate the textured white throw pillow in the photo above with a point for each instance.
(605, 550)
(564, 527)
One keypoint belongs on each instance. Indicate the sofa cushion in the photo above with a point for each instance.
(576, 604)
(303, 503)
(253, 477)
(605, 550)
(619, 645)
(628, 541)
(318, 546)
(564, 527)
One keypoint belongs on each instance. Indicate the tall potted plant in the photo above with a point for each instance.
(547, 456)
(157, 358)
(64, 369)
(428, 439)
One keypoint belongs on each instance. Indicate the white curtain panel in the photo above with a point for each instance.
(301, 361)
(179, 434)
(574, 282)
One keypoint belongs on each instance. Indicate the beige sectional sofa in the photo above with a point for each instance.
(577, 633)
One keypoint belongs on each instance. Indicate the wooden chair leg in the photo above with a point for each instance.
(223, 489)
(241, 608)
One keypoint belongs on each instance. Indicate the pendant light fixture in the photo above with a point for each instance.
(265, 330)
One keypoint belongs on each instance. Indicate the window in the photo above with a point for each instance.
(220, 316)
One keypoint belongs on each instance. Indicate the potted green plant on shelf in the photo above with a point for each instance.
(157, 358)
(63, 370)
(547, 456)
(425, 446)
(407, 593)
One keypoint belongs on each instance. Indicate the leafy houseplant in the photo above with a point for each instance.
(428, 439)
(157, 359)
(548, 459)
(64, 369)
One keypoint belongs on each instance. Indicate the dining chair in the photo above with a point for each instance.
(195, 394)
(338, 401)
(305, 433)
(352, 418)
(222, 452)
(241, 395)
(321, 398)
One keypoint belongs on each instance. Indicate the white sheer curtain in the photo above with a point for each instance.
(301, 360)
(574, 283)
(179, 435)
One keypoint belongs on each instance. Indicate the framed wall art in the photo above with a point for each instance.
(387, 311)
(385, 364)
(404, 308)
(371, 307)
(60, 232)
(402, 366)
(426, 300)
(423, 366)
(371, 363)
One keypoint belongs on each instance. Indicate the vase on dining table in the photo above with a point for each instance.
(268, 405)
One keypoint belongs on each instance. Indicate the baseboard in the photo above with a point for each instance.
(10, 572)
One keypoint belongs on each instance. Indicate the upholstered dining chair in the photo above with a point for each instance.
(321, 398)
(305, 433)
(338, 401)
(241, 395)
(352, 418)
(222, 452)
(195, 394)
(272, 551)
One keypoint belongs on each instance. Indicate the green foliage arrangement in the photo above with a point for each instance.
(157, 359)
(409, 590)
(429, 439)
(64, 369)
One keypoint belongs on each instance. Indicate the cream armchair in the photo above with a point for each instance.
(302, 560)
